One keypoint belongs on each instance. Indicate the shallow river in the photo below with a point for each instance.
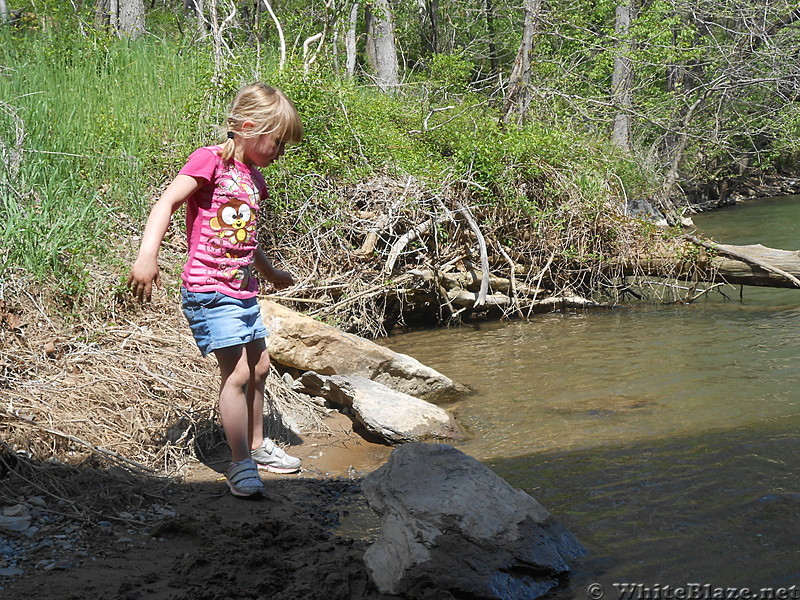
(665, 437)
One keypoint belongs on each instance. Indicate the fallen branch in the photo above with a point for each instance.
(738, 255)
(512, 279)
(563, 302)
(470, 299)
(291, 299)
(702, 293)
(371, 291)
(473, 225)
(368, 247)
(408, 237)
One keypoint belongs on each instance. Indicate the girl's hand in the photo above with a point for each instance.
(144, 274)
(280, 279)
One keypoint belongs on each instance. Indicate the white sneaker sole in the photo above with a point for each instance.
(279, 470)
(241, 494)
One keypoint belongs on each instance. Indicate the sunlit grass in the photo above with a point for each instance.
(101, 121)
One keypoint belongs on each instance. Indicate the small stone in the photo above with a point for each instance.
(11, 572)
(18, 510)
(63, 564)
(30, 531)
(19, 523)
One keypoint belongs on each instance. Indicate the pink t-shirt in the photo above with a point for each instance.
(221, 225)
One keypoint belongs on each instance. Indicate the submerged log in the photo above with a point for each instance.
(754, 265)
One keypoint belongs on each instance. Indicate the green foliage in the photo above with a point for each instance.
(450, 72)
(99, 118)
(106, 122)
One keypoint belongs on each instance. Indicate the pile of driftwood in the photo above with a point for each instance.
(408, 255)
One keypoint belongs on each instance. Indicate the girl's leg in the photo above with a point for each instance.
(269, 457)
(243, 370)
(258, 359)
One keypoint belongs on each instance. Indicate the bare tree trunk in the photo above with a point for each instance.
(3, 12)
(622, 76)
(113, 14)
(519, 95)
(281, 39)
(123, 17)
(313, 45)
(350, 41)
(381, 48)
(196, 8)
(429, 25)
(131, 18)
(741, 265)
(491, 28)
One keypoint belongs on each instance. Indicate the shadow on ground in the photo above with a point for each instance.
(201, 543)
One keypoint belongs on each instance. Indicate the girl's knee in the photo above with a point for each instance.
(261, 366)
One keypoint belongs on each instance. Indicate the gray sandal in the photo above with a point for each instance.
(243, 479)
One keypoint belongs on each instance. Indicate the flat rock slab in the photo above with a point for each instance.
(450, 524)
(306, 344)
(392, 416)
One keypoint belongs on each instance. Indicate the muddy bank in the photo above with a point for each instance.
(208, 544)
(728, 191)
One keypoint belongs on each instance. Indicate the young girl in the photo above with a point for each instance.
(223, 189)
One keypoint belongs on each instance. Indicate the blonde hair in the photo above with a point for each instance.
(269, 109)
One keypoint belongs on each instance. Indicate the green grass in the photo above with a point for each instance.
(101, 121)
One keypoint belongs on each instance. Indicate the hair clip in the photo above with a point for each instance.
(230, 135)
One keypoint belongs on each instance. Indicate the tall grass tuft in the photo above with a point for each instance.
(95, 123)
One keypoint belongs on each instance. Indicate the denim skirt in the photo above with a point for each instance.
(219, 321)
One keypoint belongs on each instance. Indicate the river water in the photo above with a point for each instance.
(665, 437)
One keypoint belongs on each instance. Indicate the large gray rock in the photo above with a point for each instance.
(306, 344)
(392, 416)
(450, 524)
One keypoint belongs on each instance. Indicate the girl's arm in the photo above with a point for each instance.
(144, 272)
(279, 279)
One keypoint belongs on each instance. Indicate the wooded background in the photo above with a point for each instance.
(543, 118)
(695, 89)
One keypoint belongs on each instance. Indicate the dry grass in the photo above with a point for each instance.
(110, 404)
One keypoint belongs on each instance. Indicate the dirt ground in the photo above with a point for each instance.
(304, 540)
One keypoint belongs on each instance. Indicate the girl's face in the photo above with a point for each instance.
(263, 150)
